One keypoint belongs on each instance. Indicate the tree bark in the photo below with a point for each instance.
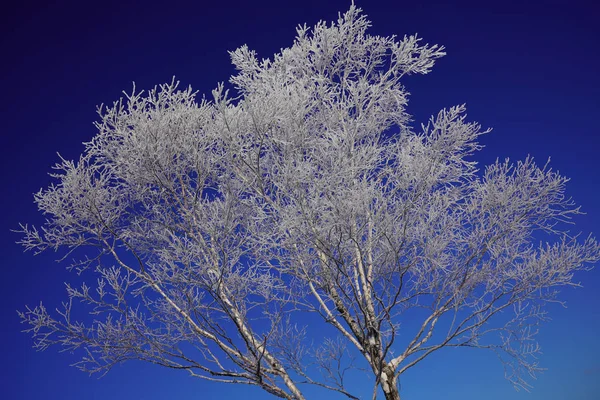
(389, 384)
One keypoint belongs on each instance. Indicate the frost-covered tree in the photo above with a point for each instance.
(213, 226)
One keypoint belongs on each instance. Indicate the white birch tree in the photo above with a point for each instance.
(211, 225)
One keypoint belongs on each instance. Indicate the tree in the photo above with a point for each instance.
(213, 226)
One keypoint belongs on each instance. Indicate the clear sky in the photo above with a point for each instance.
(529, 69)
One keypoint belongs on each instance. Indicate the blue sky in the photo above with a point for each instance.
(527, 70)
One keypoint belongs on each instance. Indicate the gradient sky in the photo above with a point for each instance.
(529, 71)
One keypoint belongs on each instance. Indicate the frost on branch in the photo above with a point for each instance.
(206, 229)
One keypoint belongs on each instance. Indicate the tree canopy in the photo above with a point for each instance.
(207, 228)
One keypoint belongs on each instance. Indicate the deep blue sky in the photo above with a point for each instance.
(529, 71)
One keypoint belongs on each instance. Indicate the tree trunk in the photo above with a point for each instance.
(389, 384)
